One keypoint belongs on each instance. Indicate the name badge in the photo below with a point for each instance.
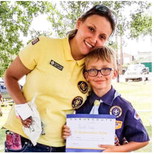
(56, 65)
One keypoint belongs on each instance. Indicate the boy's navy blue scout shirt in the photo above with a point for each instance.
(128, 123)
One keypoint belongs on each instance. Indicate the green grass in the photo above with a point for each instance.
(5, 111)
(138, 93)
(2, 136)
(140, 96)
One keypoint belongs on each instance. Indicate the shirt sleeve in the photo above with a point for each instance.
(29, 56)
(134, 129)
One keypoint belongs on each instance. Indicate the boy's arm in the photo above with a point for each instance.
(131, 146)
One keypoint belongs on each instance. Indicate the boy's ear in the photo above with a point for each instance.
(85, 74)
(115, 74)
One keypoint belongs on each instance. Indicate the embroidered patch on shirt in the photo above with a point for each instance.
(35, 41)
(116, 110)
(118, 124)
(77, 102)
(56, 65)
(83, 86)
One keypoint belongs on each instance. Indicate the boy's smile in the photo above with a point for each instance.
(100, 84)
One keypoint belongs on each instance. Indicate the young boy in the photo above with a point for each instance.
(100, 69)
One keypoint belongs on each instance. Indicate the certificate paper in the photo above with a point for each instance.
(88, 131)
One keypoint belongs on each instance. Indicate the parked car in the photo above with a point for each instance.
(2, 87)
(136, 72)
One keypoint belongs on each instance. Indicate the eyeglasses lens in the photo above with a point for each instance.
(104, 72)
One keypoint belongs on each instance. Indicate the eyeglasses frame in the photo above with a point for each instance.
(99, 70)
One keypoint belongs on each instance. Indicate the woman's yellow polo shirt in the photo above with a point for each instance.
(57, 82)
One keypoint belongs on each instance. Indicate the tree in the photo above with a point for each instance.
(15, 20)
(141, 25)
(64, 14)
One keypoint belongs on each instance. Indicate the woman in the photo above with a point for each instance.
(53, 69)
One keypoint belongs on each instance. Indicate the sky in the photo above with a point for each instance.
(37, 23)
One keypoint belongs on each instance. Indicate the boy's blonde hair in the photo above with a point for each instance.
(103, 53)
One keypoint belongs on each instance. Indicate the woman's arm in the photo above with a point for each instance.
(12, 75)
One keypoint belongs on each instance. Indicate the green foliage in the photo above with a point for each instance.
(15, 20)
(64, 18)
(141, 24)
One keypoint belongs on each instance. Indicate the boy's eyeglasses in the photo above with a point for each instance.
(94, 72)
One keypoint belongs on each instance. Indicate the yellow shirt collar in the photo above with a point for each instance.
(67, 53)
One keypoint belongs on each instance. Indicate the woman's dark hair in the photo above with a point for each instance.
(97, 10)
